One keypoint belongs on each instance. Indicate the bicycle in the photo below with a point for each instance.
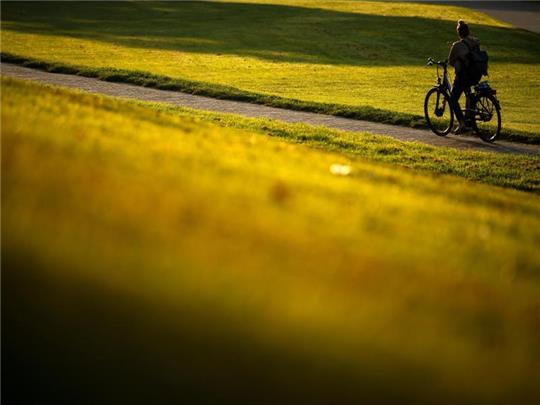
(482, 106)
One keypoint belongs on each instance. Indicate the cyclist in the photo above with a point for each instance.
(462, 82)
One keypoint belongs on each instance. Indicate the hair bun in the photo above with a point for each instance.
(462, 29)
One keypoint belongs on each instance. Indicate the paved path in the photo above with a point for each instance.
(521, 14)
(260, 111)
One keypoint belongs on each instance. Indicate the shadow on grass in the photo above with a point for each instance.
(70, 341)
(269, 32)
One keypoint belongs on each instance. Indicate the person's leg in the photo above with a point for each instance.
(468, 115)
(457, 90)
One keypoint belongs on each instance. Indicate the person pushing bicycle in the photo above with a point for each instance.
(441, 104)
(458, 58)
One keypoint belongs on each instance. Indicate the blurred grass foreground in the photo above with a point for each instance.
(150, 257)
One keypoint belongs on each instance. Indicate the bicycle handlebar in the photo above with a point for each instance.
(431, 62)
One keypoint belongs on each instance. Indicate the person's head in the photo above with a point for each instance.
(462, 29)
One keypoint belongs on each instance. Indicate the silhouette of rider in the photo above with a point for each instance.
(462, 82)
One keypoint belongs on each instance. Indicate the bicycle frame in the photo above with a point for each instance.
(443, 85)
(444, 82)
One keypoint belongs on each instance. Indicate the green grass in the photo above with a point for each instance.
(150, 256)
(355, 59)
(521, 172)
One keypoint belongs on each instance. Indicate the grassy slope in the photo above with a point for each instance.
(328, 56)
(152, 256)
(521, 172)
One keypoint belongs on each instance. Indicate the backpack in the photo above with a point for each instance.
(477, 63)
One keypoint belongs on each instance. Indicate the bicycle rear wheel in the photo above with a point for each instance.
(439, 115)
(487, 118)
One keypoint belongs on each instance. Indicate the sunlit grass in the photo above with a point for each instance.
(517, 171)
(190, 261)
(351, 54)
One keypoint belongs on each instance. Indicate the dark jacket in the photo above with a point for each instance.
(458, 53)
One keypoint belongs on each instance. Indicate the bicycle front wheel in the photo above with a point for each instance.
(439, 115)
(487, 118)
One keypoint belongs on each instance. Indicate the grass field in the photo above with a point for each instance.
(357, 59)
(152, 256)
(521, 172)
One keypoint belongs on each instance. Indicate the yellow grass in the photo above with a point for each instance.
(209, 261)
